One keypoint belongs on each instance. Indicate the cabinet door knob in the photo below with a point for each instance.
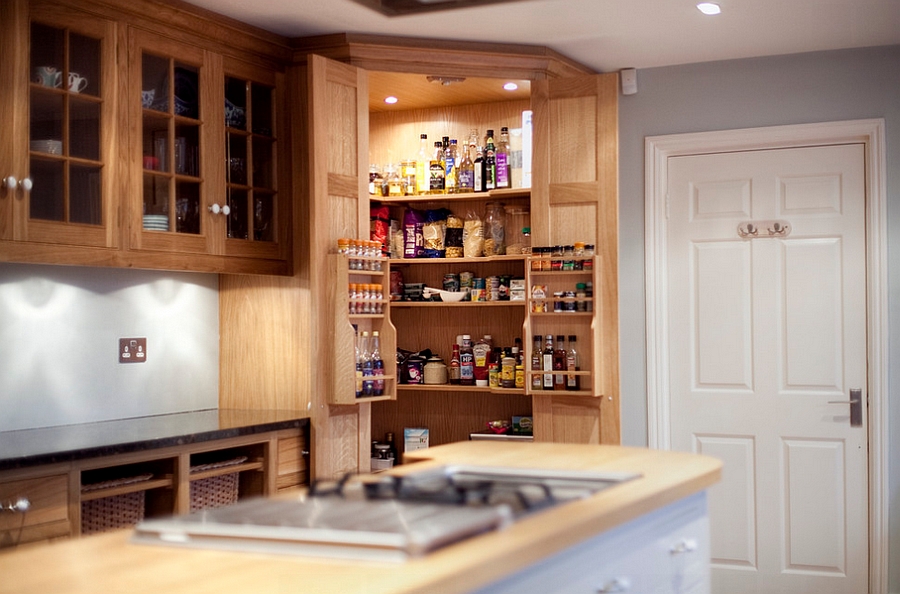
(26, 184)
(621, 584)
(685, 545)
(224, 209)
(10, 182)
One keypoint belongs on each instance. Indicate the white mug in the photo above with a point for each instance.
(77, 83)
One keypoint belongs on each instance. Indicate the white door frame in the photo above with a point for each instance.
(657, 149)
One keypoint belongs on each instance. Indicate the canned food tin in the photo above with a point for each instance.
(465, 280)
(492, 288)
(451, 282)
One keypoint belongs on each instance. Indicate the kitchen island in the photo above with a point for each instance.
(111, 563)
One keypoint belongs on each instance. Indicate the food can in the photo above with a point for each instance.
(504, 287)
(451, 282)
(492, 288)
(465, 280)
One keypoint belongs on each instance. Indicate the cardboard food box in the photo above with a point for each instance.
(415, 438)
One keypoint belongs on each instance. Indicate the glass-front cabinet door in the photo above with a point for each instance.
(62, 180)
(169, 88)
(253, 197)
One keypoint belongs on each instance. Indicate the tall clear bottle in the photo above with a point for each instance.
(423, 162)
(479, 170)
(465, 177)
(536, 363)
(451, 161)
(490, 162)
(377, 365)
(573, 381)
(501, 160)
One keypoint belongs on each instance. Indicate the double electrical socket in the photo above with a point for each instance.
(132, 350)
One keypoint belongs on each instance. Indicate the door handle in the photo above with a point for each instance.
(855, 403)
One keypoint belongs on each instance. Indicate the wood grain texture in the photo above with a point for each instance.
(665, 477)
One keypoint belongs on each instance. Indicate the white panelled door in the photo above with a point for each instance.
(765, 335)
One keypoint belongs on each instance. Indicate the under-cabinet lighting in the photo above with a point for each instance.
(390, 100)
(510, 86)
(709, 8)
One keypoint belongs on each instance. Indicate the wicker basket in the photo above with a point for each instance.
(215, 491)
(117, 511)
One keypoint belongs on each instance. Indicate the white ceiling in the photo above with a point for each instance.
(606, 35)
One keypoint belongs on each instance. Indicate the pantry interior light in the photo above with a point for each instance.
(510, 86)
(709, 8)
(390, 100)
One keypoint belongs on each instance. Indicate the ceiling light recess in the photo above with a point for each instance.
(709, 8)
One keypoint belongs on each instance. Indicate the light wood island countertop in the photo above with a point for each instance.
(111, 564)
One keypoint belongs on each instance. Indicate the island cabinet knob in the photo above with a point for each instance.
(685, 545)
(621, 584)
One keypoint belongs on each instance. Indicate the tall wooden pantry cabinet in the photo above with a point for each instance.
(573, 196)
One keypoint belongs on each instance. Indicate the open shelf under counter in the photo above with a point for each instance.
(413, 304)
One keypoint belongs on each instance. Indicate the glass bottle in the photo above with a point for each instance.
(377, 366)
(490, 163)
(501, 158)
(466, 362)
(494, 229)
(359, 369)
(573, 381)
(368, 369)
(559, 363)
(547, 363)
(451, 160)
(394, 182)
(436, 169)
(454, 365)
(479, 170)
(423, 160)
(465, 177)
(536, 363)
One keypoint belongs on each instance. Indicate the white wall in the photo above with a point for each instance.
(59, 334)
(802, 88)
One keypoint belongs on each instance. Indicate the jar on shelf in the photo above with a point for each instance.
(494, 229)
(518, 218)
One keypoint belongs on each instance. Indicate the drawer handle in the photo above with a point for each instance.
(21, 505)
(616, 585)
(687, 545)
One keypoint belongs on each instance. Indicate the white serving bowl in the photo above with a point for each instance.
(446, 296)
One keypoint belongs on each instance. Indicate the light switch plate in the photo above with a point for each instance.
(132, 350)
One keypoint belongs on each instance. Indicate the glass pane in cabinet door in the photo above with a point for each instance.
(263, 163)
(187, 153)
(84, 65)
(84, 129)
(237, 159)
(47, 201)
(156, 202)
(155, 83)
(239, 217)
(263, 216)
(261, 116)
(155, 143)
(187, 207)
(47, 55)
(187, 91)
(85, 205)
(236, 103)
(46, 125)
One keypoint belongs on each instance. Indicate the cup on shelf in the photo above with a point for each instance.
(77, 83)
(48, 76)
(147, 98)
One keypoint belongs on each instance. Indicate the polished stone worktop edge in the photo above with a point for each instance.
(51, 445)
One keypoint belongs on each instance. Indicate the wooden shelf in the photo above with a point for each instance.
(506, 193)
(445, 261)
(507, 303)
(253, 465)
(458, 388)
(157, 483)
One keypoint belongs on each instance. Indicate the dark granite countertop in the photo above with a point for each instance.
(33, 447)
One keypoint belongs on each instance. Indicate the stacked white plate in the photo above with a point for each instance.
(156, 222)
(53, 147)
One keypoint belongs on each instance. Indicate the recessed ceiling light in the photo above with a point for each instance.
(510, 86)
(390, 100)
(709, 8)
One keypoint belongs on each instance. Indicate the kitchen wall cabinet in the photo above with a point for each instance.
(133, 162)
(58, 156)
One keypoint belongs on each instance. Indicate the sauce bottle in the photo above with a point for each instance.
(454, 365)
(466, 362)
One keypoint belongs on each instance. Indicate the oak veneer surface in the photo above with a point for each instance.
(110, 563)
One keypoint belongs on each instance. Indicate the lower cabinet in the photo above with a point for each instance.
(664, 552)
(106, 493)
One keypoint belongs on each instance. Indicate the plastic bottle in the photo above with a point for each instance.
(482, 354)
(466, 362)
(423, 158)
(359, 369)
(368, 385)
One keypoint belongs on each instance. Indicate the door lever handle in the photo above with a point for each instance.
(855, 403)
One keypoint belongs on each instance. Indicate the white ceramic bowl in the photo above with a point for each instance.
(446, 296)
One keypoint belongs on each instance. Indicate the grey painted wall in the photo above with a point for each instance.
(795, 89)
(59, 334)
